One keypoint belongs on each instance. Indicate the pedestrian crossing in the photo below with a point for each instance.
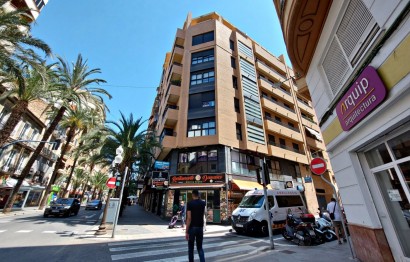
(216, 248)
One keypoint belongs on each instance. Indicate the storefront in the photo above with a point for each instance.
(211, 187)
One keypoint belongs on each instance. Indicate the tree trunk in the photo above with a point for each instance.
(100, 194)
(57, 167)
(70, 176)
(34, 156)
(16, 113)
(84, 188)
(94, 191)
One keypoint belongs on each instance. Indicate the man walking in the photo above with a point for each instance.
(334, 211)
(194, 226)
(182, 213)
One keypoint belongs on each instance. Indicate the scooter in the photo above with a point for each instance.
(323, 227)
(300, 229)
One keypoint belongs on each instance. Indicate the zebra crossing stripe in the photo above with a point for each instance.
(144, 241)
(2, 231)
(49, 232)
(24, 231)
(169, 251)
(234, 250)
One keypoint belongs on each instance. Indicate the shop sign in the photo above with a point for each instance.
(161, 165)
(158, 184)
(159, 175)
(308, 179)
(197, 179)
(361, 99)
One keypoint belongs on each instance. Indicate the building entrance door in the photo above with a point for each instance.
(389, 164)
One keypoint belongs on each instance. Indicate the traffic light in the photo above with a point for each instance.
(118, 181)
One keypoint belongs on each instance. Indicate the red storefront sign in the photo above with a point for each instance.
(197, 179)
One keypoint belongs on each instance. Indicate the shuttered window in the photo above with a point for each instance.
(244, 49)
(356, 30)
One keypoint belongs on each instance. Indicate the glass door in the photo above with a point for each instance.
(397, 204)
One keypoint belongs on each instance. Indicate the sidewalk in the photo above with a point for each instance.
(136, 223)
(20, 212)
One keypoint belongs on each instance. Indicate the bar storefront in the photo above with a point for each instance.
(211, 187)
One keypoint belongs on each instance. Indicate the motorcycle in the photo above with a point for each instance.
(300, 229)
(323, 227)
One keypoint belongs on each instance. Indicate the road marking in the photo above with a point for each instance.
(49, 232)
(218, 253)
(5, 221)
(87, 217)
(90, 222)
(172, 250)
(1, 231)
(24, 231)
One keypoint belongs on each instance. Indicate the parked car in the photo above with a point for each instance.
(63, 207)
(94, 204)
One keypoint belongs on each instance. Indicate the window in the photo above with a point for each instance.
(204, 77)
(295, 147)
(291, 125)
(203, 38)
(267, 115)
(202, 57)
(231, 45)
(201, 128)
(282, 143)
(271, 140)
(244, 164)
(208, 103)
(233, 62)
(236, 104)
(235, 82)
(239, 132)
(278, 119)
(24, 131)
(203, 161)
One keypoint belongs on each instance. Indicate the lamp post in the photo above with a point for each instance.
(102, 229)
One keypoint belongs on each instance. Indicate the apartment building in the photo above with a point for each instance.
(354, 58)
(225, 106)
(32, 7)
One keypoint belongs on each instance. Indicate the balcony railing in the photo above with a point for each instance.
(278, 103)
(273, 86)
(270, 68)
(286, 147)
(281, 123)
(309, 119)
(304, 102)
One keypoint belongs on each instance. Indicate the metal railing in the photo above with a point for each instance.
(309, 119)
(279, 104)
(281, 123)
(273, 86)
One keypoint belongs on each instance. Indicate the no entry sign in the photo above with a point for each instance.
(111, 183)
(318, 166)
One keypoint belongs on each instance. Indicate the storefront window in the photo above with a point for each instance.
(378, 156)
(401, 145)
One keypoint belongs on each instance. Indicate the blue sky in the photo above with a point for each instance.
(128, 39)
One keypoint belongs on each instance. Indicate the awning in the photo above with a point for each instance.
(247, 185)
(11, 182)
(314, 133)
(195, 186)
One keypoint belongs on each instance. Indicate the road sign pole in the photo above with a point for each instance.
(119, 204)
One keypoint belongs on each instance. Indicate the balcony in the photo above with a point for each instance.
(180, 37)
(170, 116)
(177, 54)
(48, 154)
(172, 93)
(278, 108)
(309, 122)
(272, 59)
(280, 128)
(271, 72)
(311, 142)
(175, 72)
(305, 106)
(268, 86)
(287, 153)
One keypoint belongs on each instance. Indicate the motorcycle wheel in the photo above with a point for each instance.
(328, 236)
(286, 235)
(307, 241)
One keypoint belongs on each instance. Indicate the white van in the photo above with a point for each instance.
(251, 216)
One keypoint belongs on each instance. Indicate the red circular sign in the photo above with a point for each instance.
(111, 182)
(318, 166)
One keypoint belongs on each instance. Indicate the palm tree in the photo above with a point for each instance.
(78, 179)
(73, 86)
(98, 182)
(37, 87)
(16, 48)
(77, 119)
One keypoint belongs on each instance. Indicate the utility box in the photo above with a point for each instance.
(112, 210)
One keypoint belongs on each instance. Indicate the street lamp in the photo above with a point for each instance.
(102, 229)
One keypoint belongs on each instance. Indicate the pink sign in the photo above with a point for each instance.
(363, 96)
